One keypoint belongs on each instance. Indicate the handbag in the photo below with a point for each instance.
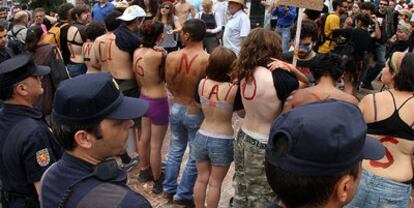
(58, 71)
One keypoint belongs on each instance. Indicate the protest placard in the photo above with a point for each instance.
(307, 4)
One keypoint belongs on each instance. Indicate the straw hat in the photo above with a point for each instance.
(242, 2)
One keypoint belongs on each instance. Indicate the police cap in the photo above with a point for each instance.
(18, 68)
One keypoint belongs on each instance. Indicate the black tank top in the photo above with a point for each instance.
(210, 22)
(393, 125)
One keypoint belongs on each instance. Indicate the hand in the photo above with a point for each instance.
(286, 8)
(209, 30)
(170, 32)
(277, 64)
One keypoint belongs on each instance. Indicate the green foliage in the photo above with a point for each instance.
(48, 5)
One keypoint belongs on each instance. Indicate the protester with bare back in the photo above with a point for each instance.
(76, 37)
(93, 31)
(212, 147)
(184, 68)
(263, 93)
(149, 72)
(327, 69)
(105, 50)
(390, 119)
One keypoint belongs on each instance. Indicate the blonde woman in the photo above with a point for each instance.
(213, 25)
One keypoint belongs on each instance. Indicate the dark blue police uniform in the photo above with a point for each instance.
(73, 181)
(89, 192)
(27, 145)
(27, 149)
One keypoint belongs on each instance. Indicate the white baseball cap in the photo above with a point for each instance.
(132, 12)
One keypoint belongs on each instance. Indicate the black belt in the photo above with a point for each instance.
(283, 26)
(251, 141)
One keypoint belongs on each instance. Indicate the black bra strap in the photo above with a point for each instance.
(375, 107)
(393, 100)
(405, 102)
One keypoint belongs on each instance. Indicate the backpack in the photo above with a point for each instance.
(15, 44)
(53, 35)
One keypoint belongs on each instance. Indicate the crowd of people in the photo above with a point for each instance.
(85, 85)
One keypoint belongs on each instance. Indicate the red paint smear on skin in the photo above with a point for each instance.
(109, 58)
(254, 91)
(184, 60)
(140, 70)
(87, 50)
(72, 54)
(214, 91)
(388, 155)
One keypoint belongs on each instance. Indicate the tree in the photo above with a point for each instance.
(48, 5)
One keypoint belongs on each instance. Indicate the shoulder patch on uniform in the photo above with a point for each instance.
(43, 157)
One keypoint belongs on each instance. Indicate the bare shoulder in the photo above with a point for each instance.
(349, 98)
(173, 56)
(366, 101)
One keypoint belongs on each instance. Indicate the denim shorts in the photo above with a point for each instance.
(378, 192)
(218, 151)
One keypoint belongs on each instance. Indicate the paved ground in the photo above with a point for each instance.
(227, 189)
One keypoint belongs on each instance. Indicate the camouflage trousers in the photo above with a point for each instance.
(250, 183)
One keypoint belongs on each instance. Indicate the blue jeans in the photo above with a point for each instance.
(184, 127)
(76, 69)
(217, 151)
(377, 192)
(285, 34)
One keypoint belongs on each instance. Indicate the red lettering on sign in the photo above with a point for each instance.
(254, 90)
(184, 59)
(388, 155)
(138, 69)
(109, 58)
(214, 91)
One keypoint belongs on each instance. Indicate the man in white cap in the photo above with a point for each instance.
(237, 27)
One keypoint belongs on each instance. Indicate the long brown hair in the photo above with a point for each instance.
(261, 44)
(170, 18)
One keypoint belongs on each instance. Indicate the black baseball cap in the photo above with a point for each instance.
(90, 98)
(18, 68)
(324, 138)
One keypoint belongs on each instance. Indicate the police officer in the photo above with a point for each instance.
(27, 146)
(92, 125)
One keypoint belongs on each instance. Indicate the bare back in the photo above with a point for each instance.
(217, 106)
(260, 101)
(75, 44)
(315, 94)
(184, 68)
(111, 58)
(88, 55)
(146, 67)
(397, 163)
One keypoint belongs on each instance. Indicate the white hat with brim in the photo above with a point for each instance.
(242, 2)
(131, 13)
